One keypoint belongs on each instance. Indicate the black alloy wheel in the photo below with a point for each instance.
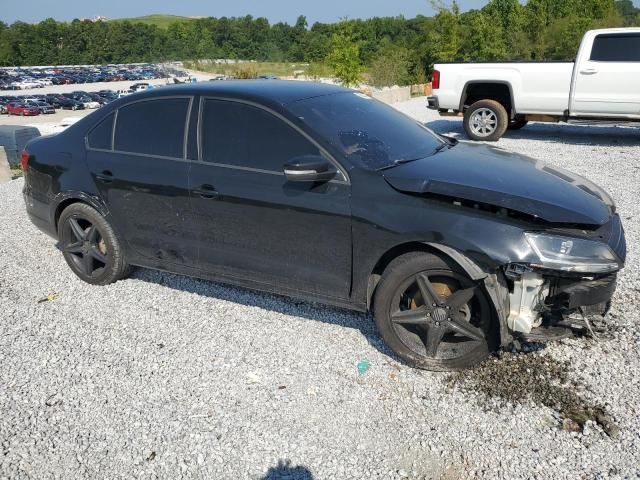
(432, 315)
(85, 246)
(90, 246)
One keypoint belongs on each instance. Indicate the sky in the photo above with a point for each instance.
(274, 10)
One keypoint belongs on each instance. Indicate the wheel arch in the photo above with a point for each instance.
(66, 199)
(494, 282)
(498, 90)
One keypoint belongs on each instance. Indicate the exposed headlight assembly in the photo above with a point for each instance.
(571, 254)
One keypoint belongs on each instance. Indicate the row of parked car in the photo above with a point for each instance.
(36, 104)
(29, 105)
(31, 77)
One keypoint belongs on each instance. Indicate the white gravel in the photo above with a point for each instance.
(165, 376)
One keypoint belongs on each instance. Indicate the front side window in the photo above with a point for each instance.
(100, 136)
(153, 127)
(622, 47)
(242, 135)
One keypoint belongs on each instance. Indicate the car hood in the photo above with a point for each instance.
(490, 175)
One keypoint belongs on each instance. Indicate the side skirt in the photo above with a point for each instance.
(255, 285)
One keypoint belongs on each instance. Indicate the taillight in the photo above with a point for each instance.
(435, 80)
(24, 160)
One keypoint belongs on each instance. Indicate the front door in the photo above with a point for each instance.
(143, 177)
(607, 80)
(255, 225)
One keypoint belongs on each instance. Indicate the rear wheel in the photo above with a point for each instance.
(90, 246)
(486, 120)
(432, 315)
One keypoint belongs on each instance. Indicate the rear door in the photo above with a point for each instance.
(137, 157)
(606, 82)
(255, 225)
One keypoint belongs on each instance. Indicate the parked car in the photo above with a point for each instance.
(35, 77)
(22, 109)
(139, 86)
(83, 98)
(70, 104)
(600, 86)
(44, 107)
(108, 95)
(97, 98)
(323, 193)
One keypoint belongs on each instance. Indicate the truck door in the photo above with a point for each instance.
(606, 80)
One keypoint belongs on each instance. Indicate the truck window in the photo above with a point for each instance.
(620, 47)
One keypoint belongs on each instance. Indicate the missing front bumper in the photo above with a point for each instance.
(538, 298)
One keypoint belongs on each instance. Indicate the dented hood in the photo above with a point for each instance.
(481, 173)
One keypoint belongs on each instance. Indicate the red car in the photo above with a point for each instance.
(22, 109)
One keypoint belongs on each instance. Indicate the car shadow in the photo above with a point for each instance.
(285, 471)
(275, 303)
(553, 132)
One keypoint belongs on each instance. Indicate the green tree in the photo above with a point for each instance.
(483, 40)
(627, 11)
(391, 66)
(444, 39)
(344, 56)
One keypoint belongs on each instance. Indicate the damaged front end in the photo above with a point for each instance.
(566, 281)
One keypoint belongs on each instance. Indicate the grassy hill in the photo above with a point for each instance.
(161, 21)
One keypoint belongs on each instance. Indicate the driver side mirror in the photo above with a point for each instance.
(309, 168)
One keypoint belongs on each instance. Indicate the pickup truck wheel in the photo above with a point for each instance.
(517, 124)
(432, 315)
(486, 120)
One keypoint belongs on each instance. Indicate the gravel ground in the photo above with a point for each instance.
(165, 376)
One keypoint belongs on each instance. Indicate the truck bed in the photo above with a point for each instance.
(543, 87)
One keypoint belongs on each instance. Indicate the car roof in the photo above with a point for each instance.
(262, 91)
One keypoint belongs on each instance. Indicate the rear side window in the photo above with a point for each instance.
(153, 127)
(242, 135)
(100, 136)
(616, 48)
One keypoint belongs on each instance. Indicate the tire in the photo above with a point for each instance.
(398, 299)
(485, 120)
(90, 246)
(517, 124)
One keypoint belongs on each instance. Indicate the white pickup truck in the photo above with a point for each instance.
(602, 85)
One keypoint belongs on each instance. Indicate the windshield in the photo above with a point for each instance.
(369, 133)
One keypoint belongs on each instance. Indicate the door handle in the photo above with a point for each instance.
(589, 71)
(106, 176)
(206, 191)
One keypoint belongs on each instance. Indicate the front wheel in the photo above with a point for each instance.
(90, 246)
(432, 315)
(486, 120)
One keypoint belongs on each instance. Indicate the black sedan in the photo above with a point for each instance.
(323, 193)
(68, 103)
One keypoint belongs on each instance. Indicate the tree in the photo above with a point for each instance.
(627, 11)
(344, 57)
(397, 48)
(445, 37)
(391, 66)
(484, 38)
